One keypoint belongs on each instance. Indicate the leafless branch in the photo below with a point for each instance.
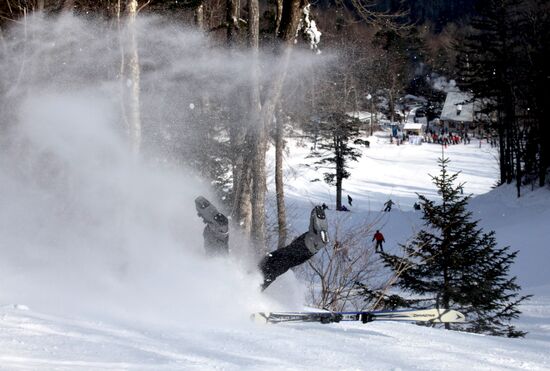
(143, 6)
(387, 20)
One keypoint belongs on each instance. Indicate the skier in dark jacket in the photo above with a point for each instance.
(279, 261)
(299, 251)
(388, 204)
(350, 200)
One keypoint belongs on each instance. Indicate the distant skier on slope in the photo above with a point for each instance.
(277, 262)
(388, 204)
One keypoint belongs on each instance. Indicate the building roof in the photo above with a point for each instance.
(458, 107)
(360, 115)
(413, 126)
(365, 116)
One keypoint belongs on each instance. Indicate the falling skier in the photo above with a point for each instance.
(277, 262)
(299, 251)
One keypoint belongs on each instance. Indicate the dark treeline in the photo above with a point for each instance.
(438, 12)
(503, 62)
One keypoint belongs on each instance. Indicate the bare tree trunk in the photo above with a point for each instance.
(259, 135)
(259, 190)
(261, 116)
(249, 205)
(278, 16)
(68, 5)
(502, 146)
(391, 106)
(253, 24)
(339, 170)
(290, 17)
(40, 5)
(199, 16)
(232, 20)
(279, 185)
(132, 83)
(242, 206)
(3, 41)
(240, 137)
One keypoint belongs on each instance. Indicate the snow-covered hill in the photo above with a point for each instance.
(69, 299)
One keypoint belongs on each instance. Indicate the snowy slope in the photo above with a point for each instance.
(389, 171)
(173, 309)
(31, 340)
(101, 256)
(522, 224)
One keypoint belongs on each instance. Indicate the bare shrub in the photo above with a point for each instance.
(333, 274)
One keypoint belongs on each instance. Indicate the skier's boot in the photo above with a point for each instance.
(216, 232)
(317, 236)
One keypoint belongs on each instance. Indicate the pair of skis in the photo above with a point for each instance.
(414, 315)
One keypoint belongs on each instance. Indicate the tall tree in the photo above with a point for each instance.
(131, 77)
(500, 62)
(232, 20)
(534, 68)
(334, 151)
(257, 133)
(252, 175)
(279, 185)
(453, 263)
(399, 53)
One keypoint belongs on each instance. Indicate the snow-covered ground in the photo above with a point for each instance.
(33, 341)
(174, 310)
(389, 171)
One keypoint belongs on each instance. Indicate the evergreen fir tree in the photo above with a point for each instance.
(453, 263)
(333, 150)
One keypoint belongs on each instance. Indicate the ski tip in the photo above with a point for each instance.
(458, 317)
(449, 316)
(260, 317)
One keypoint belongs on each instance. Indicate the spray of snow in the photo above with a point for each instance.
(86, 227)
